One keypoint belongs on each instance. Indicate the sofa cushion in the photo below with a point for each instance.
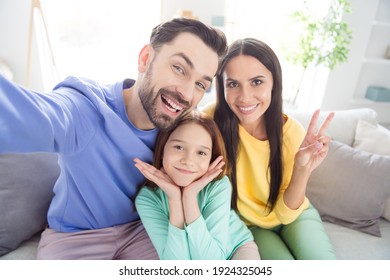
(26, 183)
(343, 126)
(373, 139)
(350, 187)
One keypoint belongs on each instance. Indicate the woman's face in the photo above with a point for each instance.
(187, 154)
(248, 88)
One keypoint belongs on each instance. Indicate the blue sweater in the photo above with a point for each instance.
(87, 125)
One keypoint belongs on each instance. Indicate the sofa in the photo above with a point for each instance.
(350, 189)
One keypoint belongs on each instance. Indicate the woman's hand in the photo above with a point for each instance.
(159, 177)
(315, 145)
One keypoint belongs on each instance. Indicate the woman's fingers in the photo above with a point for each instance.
(311, 130)
(325, 124)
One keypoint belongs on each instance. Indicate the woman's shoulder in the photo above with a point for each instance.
(293, 131)
(292, 125)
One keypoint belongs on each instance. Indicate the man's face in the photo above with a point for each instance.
(176, 78)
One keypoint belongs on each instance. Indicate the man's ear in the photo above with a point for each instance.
(144, 57)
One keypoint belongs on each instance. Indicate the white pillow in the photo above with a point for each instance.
(373, 139)
(343, 126)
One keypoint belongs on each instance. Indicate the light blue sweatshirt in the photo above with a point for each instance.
(215, 235)
(87, 125)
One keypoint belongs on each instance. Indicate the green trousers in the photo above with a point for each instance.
(303, 239)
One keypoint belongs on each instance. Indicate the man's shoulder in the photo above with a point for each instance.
(89, 88)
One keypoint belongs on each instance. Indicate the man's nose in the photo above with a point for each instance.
(187, 91)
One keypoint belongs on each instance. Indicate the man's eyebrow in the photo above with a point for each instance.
(186, 58)
(191, 65)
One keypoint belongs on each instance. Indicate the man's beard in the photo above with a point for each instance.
(149, 100)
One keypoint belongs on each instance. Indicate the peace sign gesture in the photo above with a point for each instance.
(315, 145)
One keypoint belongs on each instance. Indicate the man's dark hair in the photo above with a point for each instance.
(167, 31)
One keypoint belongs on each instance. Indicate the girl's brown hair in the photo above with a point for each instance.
(207, 122)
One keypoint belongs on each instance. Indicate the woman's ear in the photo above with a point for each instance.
(144, 57)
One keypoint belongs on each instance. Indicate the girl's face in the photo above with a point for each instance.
(187, 154)
(248, 88)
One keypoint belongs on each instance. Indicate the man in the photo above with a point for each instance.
(98, 130)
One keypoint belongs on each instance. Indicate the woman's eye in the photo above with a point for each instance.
(257, 82)
(232, 85)
(202, 153)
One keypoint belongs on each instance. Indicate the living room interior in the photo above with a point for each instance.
(45, 41)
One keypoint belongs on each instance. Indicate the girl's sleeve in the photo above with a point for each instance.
(208, 236)
(169, 241)
(61, 121)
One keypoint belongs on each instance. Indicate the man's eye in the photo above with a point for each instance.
(201, 86)
(179, 69)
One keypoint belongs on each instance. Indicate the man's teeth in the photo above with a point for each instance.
(248, 108)
(175, 107)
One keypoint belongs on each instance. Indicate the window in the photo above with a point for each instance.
(271, 22)
(99, 39)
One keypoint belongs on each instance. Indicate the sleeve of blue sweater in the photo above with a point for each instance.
(61, 121)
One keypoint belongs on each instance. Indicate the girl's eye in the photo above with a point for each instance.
(202, 153)
(178, 147)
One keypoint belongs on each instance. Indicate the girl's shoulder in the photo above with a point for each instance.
(150, 194)
(218, 186)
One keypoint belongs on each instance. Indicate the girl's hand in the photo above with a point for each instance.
(315, 145)
(213, 171)
(159, 177)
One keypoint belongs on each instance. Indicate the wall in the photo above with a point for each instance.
(14, 23)
(203, 9)
(342, 90)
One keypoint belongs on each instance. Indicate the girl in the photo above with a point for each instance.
(185, 206)
(271, 157)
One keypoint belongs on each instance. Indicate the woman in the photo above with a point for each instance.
(270, 155)
(185, 206)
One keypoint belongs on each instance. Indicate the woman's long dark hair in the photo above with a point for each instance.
(228, 122)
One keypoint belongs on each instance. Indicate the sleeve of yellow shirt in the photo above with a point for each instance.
(293, 136)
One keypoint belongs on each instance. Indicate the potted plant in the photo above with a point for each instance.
(323, 40)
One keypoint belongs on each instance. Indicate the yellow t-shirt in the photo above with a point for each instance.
(253, 175)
